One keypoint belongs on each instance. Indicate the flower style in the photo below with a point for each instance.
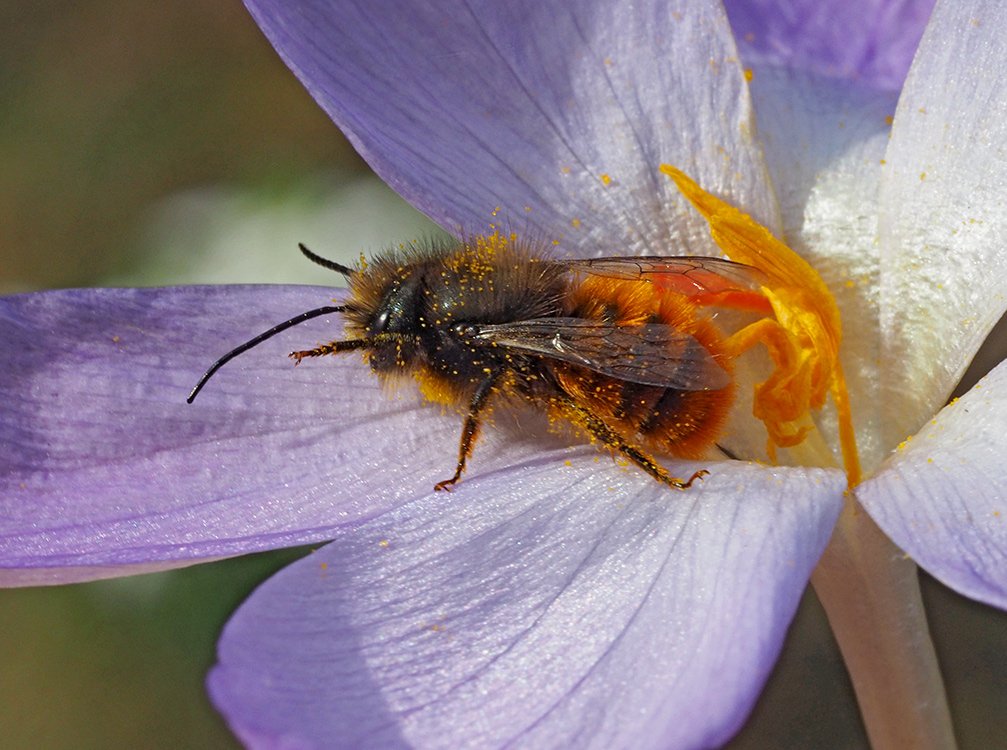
(554, 598)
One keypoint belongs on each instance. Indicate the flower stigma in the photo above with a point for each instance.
(802, 338)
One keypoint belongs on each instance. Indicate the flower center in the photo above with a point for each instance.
(802, 337)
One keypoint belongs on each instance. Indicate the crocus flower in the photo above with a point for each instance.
(554, 598)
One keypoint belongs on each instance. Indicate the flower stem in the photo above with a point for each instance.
(871, 594)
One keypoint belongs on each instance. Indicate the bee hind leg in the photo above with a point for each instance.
(610, 438)
(470, 430)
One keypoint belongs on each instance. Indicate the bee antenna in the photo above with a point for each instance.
(296, 320)
(325, 262)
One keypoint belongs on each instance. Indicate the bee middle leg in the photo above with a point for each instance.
(470, 430)
(609, 437)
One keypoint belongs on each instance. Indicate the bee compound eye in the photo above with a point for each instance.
(380, 323)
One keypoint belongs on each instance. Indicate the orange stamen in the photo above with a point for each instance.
(803, 336)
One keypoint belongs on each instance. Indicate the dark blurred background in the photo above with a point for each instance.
(109, 106)
(158, 143)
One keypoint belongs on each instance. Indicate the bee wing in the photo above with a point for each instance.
(650, 354)
(689, 275)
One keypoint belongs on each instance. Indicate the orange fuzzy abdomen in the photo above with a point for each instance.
(682, 423)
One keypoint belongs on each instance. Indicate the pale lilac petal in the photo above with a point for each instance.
(824, 141)
(545, 117)
(870, 41)
(579, 607)
(942, 497)
(105, 465)
(944, 213)
(110, 472)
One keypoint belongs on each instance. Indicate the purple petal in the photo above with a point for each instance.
(554, 611)
(110, 472)
(942, 496)
(943, 216)
(548, 118)
(105, 465)
(871, 41)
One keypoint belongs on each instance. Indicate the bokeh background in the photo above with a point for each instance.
(164, 143)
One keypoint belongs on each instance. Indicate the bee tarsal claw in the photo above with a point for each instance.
(684, 484)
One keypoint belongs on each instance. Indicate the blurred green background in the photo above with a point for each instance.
(148, 143)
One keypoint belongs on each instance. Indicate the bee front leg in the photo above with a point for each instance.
(470, 430)
(333, 347)
(612, 439)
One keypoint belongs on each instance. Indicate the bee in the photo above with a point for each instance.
(622, 348)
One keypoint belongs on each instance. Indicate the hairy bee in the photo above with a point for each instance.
(621, 347)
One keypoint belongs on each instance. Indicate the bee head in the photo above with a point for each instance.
(393, 325)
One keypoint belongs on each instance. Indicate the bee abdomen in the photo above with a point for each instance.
(667, 405)
(686, 423)
(667, 420)
(676, 421)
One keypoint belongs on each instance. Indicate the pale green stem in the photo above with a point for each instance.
(871, 594)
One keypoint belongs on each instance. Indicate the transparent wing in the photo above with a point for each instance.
(689, 275)
(650, 354)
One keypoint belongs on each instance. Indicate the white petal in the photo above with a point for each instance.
(944, 212)
(824, 141)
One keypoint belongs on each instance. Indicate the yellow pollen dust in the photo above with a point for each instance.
(606, 179)
(802, 338)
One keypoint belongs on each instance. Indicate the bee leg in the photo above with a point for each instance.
(470, 430)
(606, 435)
(333, 347)
(727, 452)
